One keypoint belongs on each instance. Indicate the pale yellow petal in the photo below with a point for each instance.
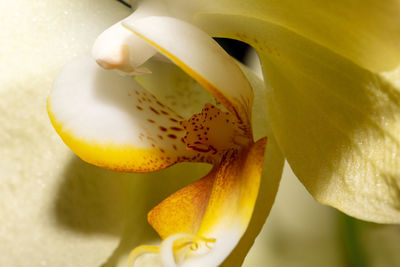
(365, 32)
(337, 123)
(38, 172)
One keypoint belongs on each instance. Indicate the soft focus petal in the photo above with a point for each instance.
(201, 57)
(297, 225)
(56, 210)
(111, 121)
(337, 123)
(53, 210)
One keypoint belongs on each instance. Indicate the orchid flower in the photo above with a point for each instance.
(117, 124)
(333, 110)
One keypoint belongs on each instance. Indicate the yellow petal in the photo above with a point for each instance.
(183, 211)
(111, 121)
(337, 123)
(271, 172)
(219, 206)
(365, 32)
(201, 57)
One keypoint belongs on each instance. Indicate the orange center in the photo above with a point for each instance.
(213, 131)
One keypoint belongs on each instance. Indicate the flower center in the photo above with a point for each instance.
(185, 244)
(175, 249)
(213, 132)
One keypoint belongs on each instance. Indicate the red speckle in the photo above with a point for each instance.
(176, 129)
(172, 136)
(155, 111)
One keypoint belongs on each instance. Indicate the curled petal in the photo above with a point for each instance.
(109, 120)
(118, 48)
(210, 65)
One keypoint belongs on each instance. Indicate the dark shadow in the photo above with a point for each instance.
(94, 201)
(90, 200)
(352, 249)
(125, 3)
(235, 48)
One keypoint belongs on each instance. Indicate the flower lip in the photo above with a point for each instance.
(121, 127)
(212, 220)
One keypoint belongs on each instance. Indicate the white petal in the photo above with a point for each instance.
(111, 121)
(118, 48)
(201, 57)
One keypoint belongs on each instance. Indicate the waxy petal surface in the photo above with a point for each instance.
(111, 121)
(337, 123)
(365, 32)
(209, 65)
